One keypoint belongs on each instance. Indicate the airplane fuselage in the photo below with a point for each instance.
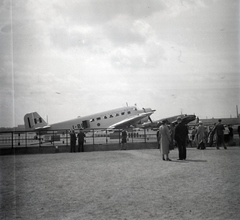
(116, 118)
(98, 121)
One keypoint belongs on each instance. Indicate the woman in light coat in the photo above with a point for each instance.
(200, 135)
(164, 140)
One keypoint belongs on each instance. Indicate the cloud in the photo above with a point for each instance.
(99, 54)
(135, 57)
(97, 12)
(124, 31)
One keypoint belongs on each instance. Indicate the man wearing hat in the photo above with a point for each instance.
(124, 139)
(81, 137)
(72, 140)
(220, 134)
(200, 136)
(181, 137)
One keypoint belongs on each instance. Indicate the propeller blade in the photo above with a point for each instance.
(150, 119)
(197, 120)
(148, 116)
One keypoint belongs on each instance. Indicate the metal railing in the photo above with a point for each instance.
(14, 139)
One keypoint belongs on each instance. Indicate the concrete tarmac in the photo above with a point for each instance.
(132, 184)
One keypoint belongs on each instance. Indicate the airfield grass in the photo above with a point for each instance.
(132, 184)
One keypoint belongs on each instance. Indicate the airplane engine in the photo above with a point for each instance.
(143, 120)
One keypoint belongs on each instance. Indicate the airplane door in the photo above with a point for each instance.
(85, 124)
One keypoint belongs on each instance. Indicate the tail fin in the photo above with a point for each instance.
(34, 121)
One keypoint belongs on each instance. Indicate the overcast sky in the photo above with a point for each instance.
(67, 58)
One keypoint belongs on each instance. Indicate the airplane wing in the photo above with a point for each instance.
(185, 119)
(129, 121)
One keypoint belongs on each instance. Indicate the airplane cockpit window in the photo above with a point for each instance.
(91, 120)
(35, 120)
(135, 109)
(40, 120)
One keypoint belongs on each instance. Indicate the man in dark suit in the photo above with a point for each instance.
(220, 134)
(81, 137)
(239, 133)
(124, 139)
(181, 137)
(158, 139)
(72, 141)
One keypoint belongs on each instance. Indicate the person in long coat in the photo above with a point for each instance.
(181, 137)
(164, 140)
(124, 140)
(220, 134)
(72, 141)
(200, 136)
(81, 135)
(158, 139)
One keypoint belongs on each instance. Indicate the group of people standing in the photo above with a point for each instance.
(167, 136)
(73, 138)
(202, 138)
(199, 136)
(217, 133)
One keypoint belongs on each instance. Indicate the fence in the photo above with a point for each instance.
(16, 139)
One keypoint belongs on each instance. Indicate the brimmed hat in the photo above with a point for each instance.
(179, 118)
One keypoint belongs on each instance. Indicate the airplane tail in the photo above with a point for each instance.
(34, 121)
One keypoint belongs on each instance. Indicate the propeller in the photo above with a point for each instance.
(197, 120)
(149, 118)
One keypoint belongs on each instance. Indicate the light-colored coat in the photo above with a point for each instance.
(200, 134)
(165, 139)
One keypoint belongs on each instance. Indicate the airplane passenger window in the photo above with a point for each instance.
(117, 114)
(111, 116)
(99, 118)
(122, 113)
(105, 117)
(129, 112)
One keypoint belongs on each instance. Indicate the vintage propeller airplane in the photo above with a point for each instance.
(113, 119)
(119, 118)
